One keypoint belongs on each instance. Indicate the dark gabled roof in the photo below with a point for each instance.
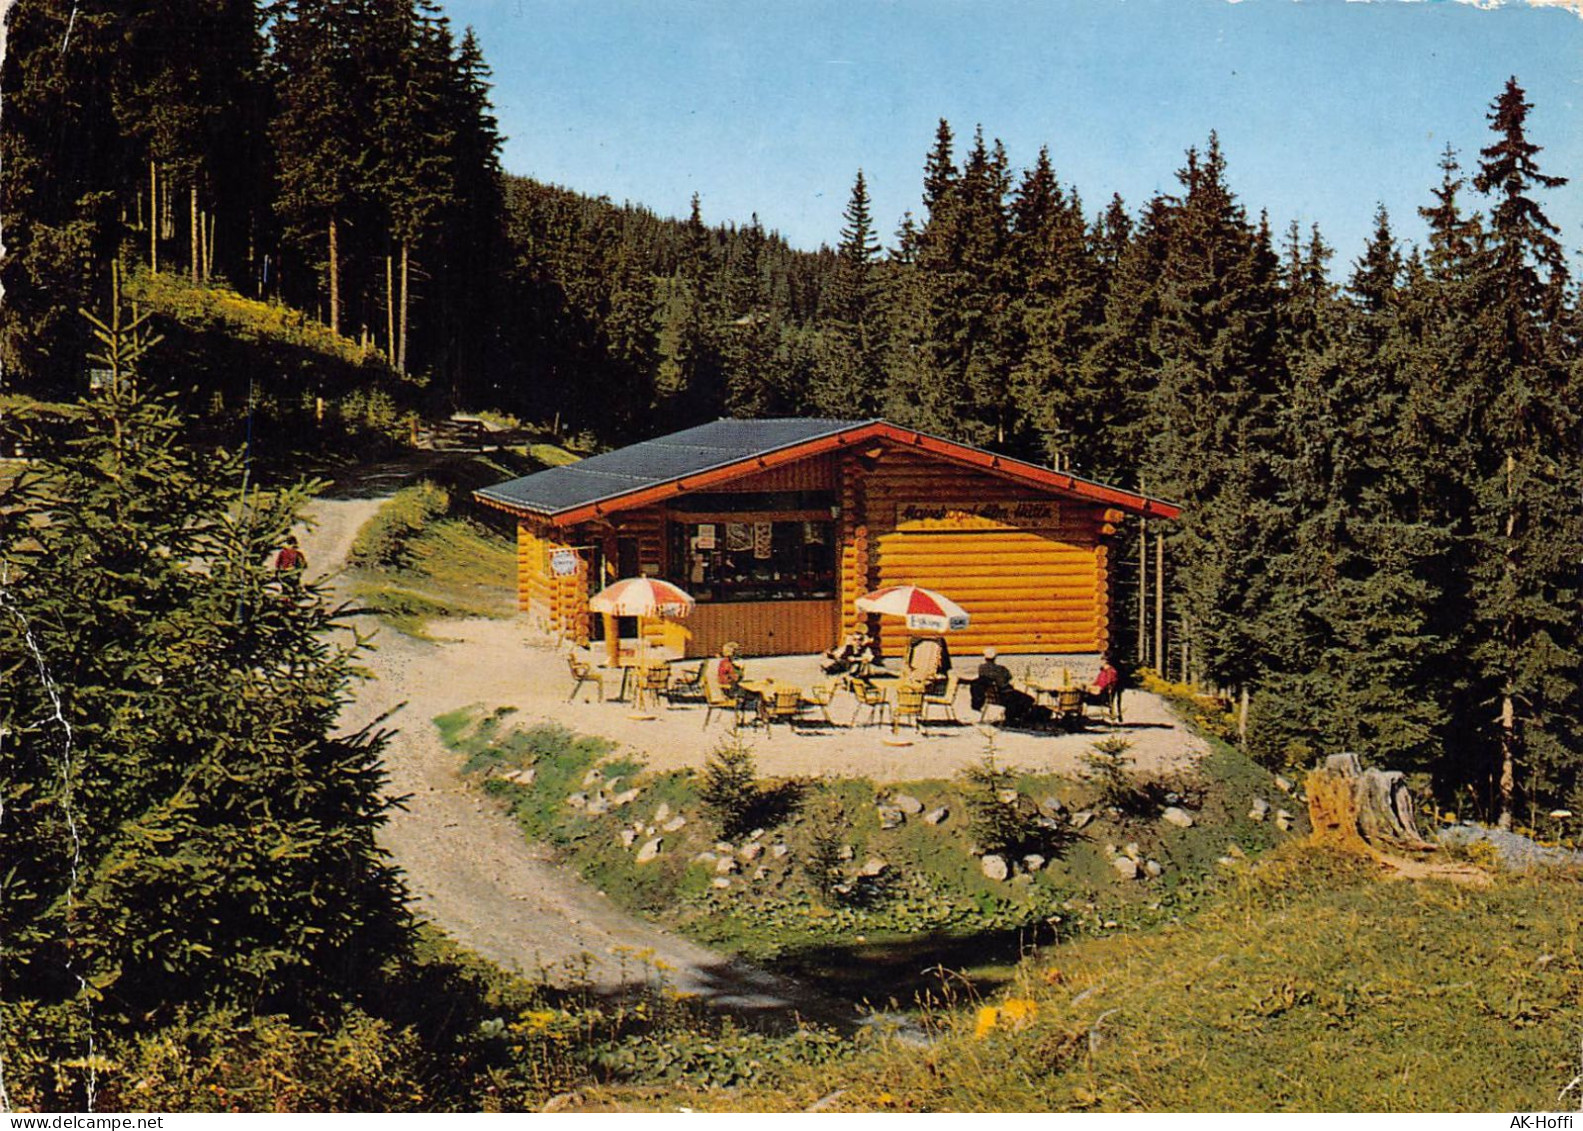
(689, 452)
(726, 449)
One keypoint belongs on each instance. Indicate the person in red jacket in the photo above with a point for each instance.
(290, 563)
(1105, 691)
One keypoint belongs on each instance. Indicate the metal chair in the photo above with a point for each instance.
(717, 700)
(820, 695)
(583, 672)
(784, 707)
(871, 696)
(991, 699)
(687, 687)
(945, 699)
(909, 705)
(1069, 708)
(652, 684)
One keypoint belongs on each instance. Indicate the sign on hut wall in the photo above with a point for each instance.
(977, 516)
(563, 563)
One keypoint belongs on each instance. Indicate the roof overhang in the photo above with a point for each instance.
(1015, 470)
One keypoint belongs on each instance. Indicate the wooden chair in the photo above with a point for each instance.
(909, 705)
(820, 695)
(784, 707)
(945, 699)
(583, 672)
(871, 696)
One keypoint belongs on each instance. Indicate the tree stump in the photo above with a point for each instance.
(1351, 807)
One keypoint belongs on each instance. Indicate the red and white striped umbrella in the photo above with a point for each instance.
(642, 597)
(925, 610)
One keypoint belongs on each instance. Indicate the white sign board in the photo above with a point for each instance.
(563, 563)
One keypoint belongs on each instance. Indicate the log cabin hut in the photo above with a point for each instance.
(778, 526)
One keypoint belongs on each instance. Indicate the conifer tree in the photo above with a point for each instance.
(1525, 485)
(181, 827)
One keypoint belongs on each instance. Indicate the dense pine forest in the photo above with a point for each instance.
(1379, 457)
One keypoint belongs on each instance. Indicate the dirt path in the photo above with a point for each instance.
(466, 862)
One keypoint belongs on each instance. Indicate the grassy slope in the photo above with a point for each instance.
(888, 940)
(1299, 981)
(428, 553)
(1309, 984)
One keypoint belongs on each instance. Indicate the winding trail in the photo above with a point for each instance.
(468, 867)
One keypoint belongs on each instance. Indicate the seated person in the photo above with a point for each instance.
(928, 661)
(1019, 705)
(1105, 691)
(854, 652)
(729, 675)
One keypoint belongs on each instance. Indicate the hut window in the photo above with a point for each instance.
(755, 560)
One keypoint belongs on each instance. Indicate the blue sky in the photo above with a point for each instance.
(1323, 107)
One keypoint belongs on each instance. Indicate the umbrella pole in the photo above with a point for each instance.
(612, 640)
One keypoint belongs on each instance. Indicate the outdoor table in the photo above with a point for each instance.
(627, 667)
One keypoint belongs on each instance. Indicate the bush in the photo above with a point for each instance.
(822, 865)
(1108, 764)
(1003, 822)
(731, 793)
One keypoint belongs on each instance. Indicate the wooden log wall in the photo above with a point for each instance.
(763, 628)
(533, 569)
(1033, 575)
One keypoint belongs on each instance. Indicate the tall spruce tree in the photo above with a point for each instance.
(1527, 531)
(181, 827)
(1212, 418)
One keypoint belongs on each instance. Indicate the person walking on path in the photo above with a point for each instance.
(291, 563)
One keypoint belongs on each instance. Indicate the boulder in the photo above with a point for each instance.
(725, 865)
(663, 813)
(847, 852)
(720, 882)
(908, 804)
(873, 866)
(891, 817)
(724, 846)
(675, 824)
(756, 834)
(1033, 862)
(1283, 784)
(1181, 818)
(936, 816)
(625, 797)
(1007, 796)
(760, 873)
(1133, 851)
(1051, 806)
(751, 852)
(779, 851)
(1259, 810)
(995, 867)
(650, 849)
(1126, 867)
(598, 806)
(705, 858)
(577, 801)
(1082, 818)
(1154, 867)
(593, 777)
(629, 837)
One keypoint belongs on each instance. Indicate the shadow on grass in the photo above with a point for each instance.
(905, 971)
